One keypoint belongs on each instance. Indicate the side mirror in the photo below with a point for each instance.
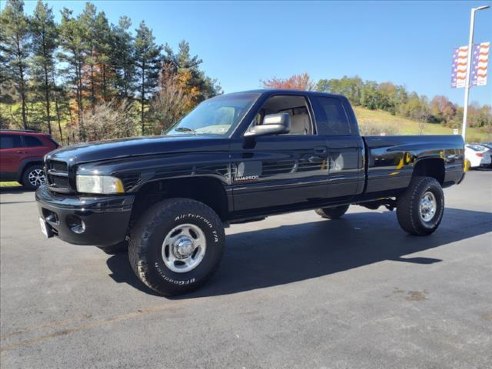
(272, 124)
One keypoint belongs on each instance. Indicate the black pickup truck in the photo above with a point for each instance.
(237, 158)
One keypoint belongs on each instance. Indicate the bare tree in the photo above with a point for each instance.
(171, 103)
(109, 120)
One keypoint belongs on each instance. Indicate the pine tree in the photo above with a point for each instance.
(123, 58)
(15, 50)
(74, 51)
(148, 61)
(87, 22)
(44, 36)
(103, 36)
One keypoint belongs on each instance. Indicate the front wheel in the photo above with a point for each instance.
(176, 246)
(421, 207)
(33, 177)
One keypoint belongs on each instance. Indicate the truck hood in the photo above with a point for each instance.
(139, 146)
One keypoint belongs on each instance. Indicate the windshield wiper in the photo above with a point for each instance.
(185, 129)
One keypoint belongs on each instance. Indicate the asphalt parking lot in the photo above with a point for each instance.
(294, 291)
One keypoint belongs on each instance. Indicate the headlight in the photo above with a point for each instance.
(99, 184)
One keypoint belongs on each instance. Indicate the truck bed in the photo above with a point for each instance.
(391, 160)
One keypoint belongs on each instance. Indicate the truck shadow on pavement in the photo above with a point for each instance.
(14, 190)
(291, 253)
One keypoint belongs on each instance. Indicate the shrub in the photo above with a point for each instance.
(109, 120)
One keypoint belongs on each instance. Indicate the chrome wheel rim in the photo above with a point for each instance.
(183, 248)
(428, 206)
(36, 177)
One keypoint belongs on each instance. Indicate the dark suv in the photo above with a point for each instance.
(21, 156)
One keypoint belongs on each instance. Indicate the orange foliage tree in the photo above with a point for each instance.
(296, 82)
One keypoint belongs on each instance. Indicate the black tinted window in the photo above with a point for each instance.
(332, 114)
(10, 141)
(32, 141)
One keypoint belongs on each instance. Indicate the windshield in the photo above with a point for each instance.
(218, 116)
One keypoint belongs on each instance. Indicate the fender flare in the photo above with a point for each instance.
(25, 164)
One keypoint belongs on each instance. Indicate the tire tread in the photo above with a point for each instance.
(142, 231)
(407, 206)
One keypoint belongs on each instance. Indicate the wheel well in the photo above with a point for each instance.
(26, 166)
(210, 191)
(430, 168)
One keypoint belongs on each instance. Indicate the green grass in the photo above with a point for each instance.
(377, 120)
(9, 184)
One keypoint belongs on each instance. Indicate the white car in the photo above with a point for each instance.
(477, 155)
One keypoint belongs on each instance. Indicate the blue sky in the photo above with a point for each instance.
(241, 43)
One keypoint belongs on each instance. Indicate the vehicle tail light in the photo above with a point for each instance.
(479, 154)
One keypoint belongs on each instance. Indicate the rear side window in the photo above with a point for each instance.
(10, 141)
(31, 141)
(332, 116)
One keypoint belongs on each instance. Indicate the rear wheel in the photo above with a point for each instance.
(176, 246)
(421, 207)
(332, 213)
(33, 177)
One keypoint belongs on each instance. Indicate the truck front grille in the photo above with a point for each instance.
(57, 176)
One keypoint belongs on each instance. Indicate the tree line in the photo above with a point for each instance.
(84, 78)
(392, 98)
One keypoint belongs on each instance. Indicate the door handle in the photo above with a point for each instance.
(320, 150)
(21, 152)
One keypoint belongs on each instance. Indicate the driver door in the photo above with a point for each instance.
(277, 171)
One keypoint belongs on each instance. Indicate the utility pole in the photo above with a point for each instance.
(468, 67)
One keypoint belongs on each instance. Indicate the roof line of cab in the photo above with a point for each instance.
(275, 91)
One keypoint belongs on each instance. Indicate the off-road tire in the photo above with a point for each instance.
(332, 213)
(115, 249)
(146, 245)
(34, 170)
(408, 206)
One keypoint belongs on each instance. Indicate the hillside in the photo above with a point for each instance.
(377, 121)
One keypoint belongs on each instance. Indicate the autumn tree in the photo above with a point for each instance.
(296, 82)
(442, 110)
(44, 37)
(172, 101)
(148, 62)
(15, 49)
(191, 79)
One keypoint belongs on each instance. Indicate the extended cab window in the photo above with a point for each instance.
(295, 106)
(10, 141)
(30, 141)
(331, 113)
